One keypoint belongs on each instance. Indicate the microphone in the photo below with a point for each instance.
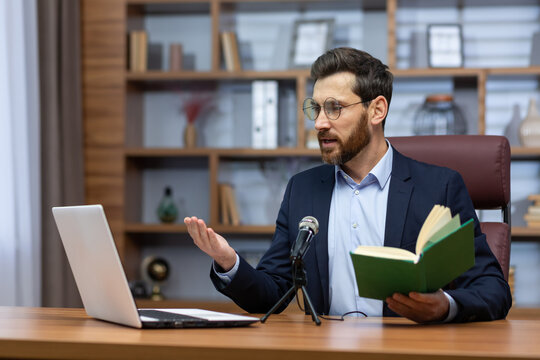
(307, 228)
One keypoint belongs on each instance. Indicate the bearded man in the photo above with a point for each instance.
(367, 194)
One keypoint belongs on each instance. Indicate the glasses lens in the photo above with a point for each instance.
(332, 108)
(311, 109)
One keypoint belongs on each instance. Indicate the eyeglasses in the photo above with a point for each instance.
(332, 108)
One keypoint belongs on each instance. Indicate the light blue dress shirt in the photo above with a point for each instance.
(357, 217)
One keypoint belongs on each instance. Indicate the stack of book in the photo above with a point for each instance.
(227, 203)
(264, 98)
(532, 217)
(512, 282)
(231, 54)
(138, 51)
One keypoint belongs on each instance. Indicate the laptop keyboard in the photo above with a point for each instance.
(169, 317)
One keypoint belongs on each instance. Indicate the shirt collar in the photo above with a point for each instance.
(380, 173)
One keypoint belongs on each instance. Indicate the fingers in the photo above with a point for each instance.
(211, 243)
(198, 231)
(420, 307)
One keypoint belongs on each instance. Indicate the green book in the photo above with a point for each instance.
(444, 250)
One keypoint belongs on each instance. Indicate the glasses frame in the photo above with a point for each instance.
(341, 107)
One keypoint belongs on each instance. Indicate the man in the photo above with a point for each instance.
(369, 194)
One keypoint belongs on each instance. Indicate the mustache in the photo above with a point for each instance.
(325, 134)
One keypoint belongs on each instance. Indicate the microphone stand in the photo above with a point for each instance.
(299, 283)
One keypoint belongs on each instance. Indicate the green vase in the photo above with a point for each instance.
(167, 211)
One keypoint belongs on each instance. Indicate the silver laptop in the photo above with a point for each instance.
(102, 282)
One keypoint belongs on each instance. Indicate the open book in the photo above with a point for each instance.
(444, 250)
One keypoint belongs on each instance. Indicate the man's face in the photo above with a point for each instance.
(342, 139)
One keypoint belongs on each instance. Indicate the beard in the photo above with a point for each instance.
(348, 148)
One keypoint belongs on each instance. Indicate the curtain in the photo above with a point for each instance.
(19, 156)
(62, 178)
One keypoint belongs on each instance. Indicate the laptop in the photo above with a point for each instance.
(103, 285)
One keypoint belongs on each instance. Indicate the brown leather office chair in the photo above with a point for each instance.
(484, 163)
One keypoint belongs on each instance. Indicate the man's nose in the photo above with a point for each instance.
(322, 121)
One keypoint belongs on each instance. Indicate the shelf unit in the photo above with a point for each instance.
(113, 110)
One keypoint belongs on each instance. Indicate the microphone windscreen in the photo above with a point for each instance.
(311, 223)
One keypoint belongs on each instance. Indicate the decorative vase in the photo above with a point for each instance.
(512, 129)
(439, 115)
(167, 210)
(529, 130)
(190, 136)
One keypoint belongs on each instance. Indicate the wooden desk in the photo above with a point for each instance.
(46, 333)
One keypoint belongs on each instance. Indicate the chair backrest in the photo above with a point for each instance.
(484, 163)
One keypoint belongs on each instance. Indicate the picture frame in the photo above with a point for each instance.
(445, 46)
(311, 38)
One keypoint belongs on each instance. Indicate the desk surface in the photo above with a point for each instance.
(48, 333)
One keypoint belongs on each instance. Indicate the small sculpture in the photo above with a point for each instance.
(167, 211)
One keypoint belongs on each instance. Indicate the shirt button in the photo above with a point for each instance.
(354, 225)
(356, 192)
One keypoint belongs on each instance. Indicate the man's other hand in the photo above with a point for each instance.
(422, 308)
(211, 243)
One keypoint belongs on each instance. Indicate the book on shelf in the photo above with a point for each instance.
(155, 56)
(264, 114)
(229, 210)
(223, 205)
(175, 57)
(138, 51)
(532, 220)
(231, 53)
(444, 250)
(534, 210)
(532, 217)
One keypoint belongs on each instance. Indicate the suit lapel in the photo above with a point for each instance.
(399, 196)
(321, 211)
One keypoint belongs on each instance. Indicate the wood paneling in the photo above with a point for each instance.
(103, 63)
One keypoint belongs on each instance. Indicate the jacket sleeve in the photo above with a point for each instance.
(481, 293)
(257, 290)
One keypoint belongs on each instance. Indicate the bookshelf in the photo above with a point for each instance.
(115, 105)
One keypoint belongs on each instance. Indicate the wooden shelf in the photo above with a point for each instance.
(149, 76)
(155, 228)
(465, 72)
(532, 70)
(178, 228)
(455, 72)
(229, 153)
(293, 74)
(520, 152)
(525, 232)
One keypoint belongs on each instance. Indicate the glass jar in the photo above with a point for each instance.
(439, 115)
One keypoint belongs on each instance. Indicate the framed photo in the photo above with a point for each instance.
(445, 45)
(311, 38)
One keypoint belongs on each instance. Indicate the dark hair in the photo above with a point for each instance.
(372, 77)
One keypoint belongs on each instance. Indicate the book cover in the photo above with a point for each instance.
(155, 56)
(223, 204)
(142, 51)
(227, 47)
(258, 137)
(231, 204)
(133, 50)
(270, 114)
(175, 57)
(440, 262)
(235, 51)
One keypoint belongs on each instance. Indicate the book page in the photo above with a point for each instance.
(386, 252)
(448, 228)
(437, 218)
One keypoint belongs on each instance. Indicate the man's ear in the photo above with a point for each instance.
(378, 110)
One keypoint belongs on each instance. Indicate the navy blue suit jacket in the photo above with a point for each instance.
(481, 293)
